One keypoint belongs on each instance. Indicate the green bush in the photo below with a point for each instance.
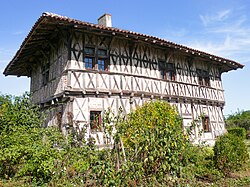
(238, 131)
(29, 152)
(18, 111)
(200, 164)
(230, 153)
(150, 149)
(239, 119)
(154, 140)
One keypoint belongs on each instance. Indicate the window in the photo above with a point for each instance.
(199, 74)
(102, 60)
(207, 81)
(89, 56)
(45, 73)
(88, 62)
(205, 124)
(89, 51)
(171, 71)
(162, 69)
(167, 71)
(203, 77)
(95, 120)
(96, 61)
(163, 74)
(101, 64)
(102, 53)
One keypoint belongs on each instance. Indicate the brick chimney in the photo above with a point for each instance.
(105, 20)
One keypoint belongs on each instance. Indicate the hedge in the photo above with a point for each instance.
(238, 131)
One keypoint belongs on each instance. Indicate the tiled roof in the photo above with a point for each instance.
(36, 36)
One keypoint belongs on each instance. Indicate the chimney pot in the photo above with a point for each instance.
(105, 20)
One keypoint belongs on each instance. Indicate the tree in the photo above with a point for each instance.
(30, 152)
(239, 119)
(154, 139)
(17, 112)
(25, 147)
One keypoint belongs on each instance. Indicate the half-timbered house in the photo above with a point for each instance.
(80, 69)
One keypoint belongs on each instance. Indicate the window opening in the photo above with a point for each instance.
(88, 62)
(101, 64)
(102, 52)
(95, 60)
(45, 73)
(95, 120)
(89, 51)
(206, 78)
(205, 124)
(203, 77)
(171, 71)
(162, 69)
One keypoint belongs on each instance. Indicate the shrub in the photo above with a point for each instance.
(199, 164)
(26, 149)
(230, 153)
(29, 152)
(238, 131)
(239, 119)
(18, 111)
(154, 139)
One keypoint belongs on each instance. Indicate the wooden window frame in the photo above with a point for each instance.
(105, 64)
(89, 55)
(167, 71)
(171, 72)
(104, 57)
(200, 77)
(45, 73)
(86, 62)
(162, 68)
(203, 77)
(207, 81)
(206, 124)
(97, 55)
(93, 117)
(206, 78)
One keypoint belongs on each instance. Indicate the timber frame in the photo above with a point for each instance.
(130, 69)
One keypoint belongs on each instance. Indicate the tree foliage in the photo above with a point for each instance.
(17, 112)
(238, 131)
(230, 153)
(239, 119)
(38, 155)
(28, 152)
(154, 139)
(149, 149)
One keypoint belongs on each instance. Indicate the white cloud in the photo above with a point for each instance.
(226, 34)
(218, 17)
(232, 26)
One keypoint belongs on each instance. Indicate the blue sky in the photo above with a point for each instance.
(218, 27)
